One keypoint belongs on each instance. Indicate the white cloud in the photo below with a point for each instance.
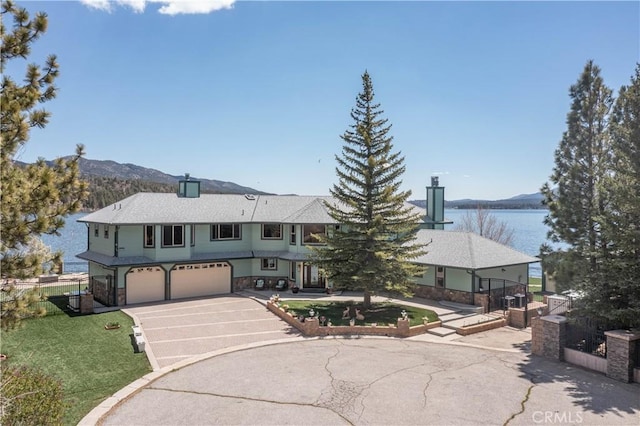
(203, 6)
(167, 7)
(98, 4)
(439, 173)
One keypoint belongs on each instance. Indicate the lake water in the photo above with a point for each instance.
(529, 234)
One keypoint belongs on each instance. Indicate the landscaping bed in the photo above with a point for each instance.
(379, 313)
(92, 363)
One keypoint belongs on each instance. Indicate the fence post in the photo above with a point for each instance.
(621, 347)
(554, 331)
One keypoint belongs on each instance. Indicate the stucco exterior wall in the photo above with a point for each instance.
(429, 277)
(100, 244)
(130, 241)
(457, 279)
(516, 273)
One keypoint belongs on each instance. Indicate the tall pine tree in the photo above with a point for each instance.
(619, 297)
(373, 249)
(576, 199)
(34, 199)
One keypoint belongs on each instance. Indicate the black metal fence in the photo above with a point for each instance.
(587, 335)
(57, 296)
(504, 294)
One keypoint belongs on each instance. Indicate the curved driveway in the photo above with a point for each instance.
(386, 381)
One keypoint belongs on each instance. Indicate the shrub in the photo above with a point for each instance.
(30, 397)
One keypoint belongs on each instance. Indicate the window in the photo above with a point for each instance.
(149, 237)
(271, 231)
(310, 233)
(173, 236)
(193, 235)
(292, 271)
(96, 230)
(270, 263)
(106, 231)
(440, 282)
(225, 231)
(292, 235)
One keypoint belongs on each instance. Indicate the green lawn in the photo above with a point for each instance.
(535, 284)
(381, 313)
(92, 363)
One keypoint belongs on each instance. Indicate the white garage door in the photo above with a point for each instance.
(145, 285)
(204, 279)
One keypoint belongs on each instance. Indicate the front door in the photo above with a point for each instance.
(312, 277)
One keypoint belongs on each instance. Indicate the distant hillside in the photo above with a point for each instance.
(522, 201)
(107, 168)
(110, 181)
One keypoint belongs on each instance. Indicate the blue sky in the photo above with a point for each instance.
(257, 93)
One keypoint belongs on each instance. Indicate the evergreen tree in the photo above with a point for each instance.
(34, 199)
(373, 248)
(618, 298)
(575, 199)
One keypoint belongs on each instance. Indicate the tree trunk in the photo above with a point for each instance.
(366, 303)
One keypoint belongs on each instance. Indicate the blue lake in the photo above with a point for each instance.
(530, 233)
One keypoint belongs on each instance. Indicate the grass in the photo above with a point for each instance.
(381, 313)
(535, 286)
(92, 363)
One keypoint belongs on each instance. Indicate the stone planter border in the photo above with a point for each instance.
(310, 327)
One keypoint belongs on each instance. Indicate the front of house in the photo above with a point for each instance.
(157, 246)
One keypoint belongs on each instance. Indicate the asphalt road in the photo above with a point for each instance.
(373, 381)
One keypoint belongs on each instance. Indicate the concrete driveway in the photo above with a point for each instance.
(378, 381)
(176, 331)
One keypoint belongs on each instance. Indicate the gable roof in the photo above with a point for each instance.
(167, 208)
(466, 250)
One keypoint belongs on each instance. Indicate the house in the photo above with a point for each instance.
(160, 246)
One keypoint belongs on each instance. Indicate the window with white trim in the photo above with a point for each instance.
(149, 236)
(292, 270)
(311, 232)
(440, 277)
(225, 231)
(106, 231)
(292, 235)
(96, 230)
(269, 263)
(173, 236)
(271, 231)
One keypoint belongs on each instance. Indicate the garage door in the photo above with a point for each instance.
(204, 279)
(145, 285)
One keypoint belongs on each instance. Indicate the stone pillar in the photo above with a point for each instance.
(621, 348)
(537, 337)
(311, 326)
(554, 331)
(86, 303)
(403, 327)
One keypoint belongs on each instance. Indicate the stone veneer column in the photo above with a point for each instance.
(537, 337)
(554, 331)
(86, 303)
(621, 349)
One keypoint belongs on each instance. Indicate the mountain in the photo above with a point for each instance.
(127, 171)
(522, 201)
(110, 182)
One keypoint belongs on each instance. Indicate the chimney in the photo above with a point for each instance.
(188, 188)
(435, 205)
